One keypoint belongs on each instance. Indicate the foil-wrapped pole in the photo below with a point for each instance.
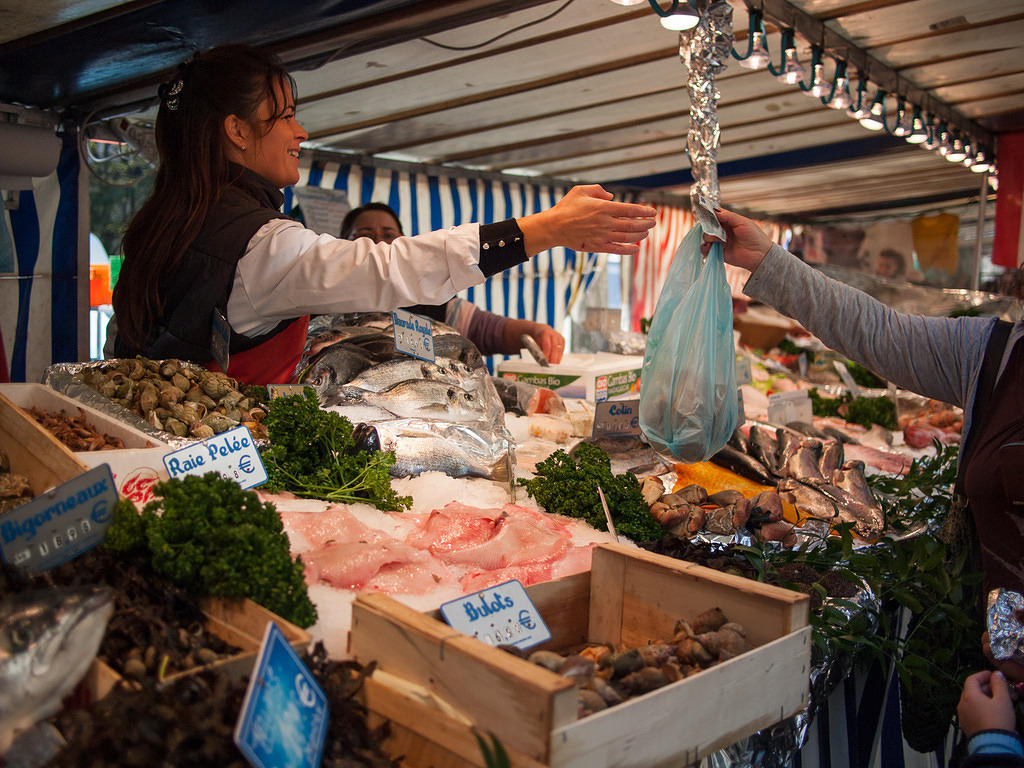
(704, 50)
(1006, 625)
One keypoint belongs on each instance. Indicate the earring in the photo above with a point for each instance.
(245, 147)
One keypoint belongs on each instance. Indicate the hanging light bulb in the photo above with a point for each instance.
(902, 127)
(932, 140)
(918, 130)
(968, 160)
(841, 98)
(862, 109)
(981, 163)
(944, 140)
(993, 178)
(956, 153)
(819, 86)
(792, 70)
(758, 58)
(628, 2)
(682, 17)
(875, 120)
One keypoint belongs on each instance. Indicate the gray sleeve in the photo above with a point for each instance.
(934, 356)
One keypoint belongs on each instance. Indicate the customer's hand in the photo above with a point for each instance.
(985, 704)
(588, 219)
(550, 341)
(747, 243)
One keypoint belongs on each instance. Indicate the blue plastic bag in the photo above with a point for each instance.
(688, 401)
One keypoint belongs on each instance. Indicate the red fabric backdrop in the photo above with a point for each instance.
(1006, 249)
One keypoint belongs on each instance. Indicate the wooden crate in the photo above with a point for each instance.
(238, 622)
(438, 686)
(33, 451)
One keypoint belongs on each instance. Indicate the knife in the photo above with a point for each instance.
(534, 349)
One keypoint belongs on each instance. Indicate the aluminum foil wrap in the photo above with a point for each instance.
(705, 50)
(777, 745)
(66, 378)
(1006, 625)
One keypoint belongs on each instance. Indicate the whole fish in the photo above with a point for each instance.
(417, 398)
(422, 445)
(805, 461)
(763, 447)
(333, 366)
(48, 639)
(383, 375)
(831, 458)
(457, 346)
(743, 465)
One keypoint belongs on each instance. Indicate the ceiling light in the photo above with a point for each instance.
(944, 141)
(628, 2)
(903, 127)
(932, 139)
(758, 56)
(993, 178)
(980, 164)
(792, 70)
(680, 17)
(956, 153)
(875, 120)
(841, 98)
(918, 129)
(862, 109)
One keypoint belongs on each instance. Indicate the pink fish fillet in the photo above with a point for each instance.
(519, 539)
(411, 578)
(351, 565)
(530, 573)
(313, 530)
(893, 463)
(456, 526)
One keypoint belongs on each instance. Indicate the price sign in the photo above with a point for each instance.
(231, 454)
(617, 418)
(283, 721)
(414, 335)
(61, 523)
(499, 615)
(787, 407)
(844, 374)
(285, 390)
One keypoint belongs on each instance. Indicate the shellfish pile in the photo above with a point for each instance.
(177, 397)
(15, 489)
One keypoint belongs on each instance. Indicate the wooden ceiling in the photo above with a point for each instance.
(592, 91)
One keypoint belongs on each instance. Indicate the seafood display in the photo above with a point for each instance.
(443, 415)
(183, 399)
(75, 431)
(15, 489)
(606, 676)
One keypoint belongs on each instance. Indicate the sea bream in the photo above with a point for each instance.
(48, 639)
(380, 377)
(413, 398)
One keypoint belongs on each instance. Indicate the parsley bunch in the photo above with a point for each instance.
(212, 538)
(313, 454)
(565, 486)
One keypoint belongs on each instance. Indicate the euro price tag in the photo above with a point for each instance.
(220, 339)
(617, 418)
(500, 615)
(231, 454)
(414, 335)
(284, 390)
(844, 374)
(60, 524)
(787, 407)
(284, 714)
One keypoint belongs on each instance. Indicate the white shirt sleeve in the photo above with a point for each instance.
(289, 271)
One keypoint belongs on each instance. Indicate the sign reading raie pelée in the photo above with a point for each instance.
(231, 454)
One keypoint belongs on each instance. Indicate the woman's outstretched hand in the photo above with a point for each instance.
(588, 219)
(747, 243)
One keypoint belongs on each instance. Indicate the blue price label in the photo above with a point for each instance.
(231, 454)
(61, 523)
(500, 615)
(414, 335)
(283, 721)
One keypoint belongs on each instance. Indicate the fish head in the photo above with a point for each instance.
(48, 639)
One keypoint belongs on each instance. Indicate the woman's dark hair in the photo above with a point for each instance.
(350, 218)
(194, 170)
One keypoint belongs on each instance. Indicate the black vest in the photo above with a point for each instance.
(202, 282)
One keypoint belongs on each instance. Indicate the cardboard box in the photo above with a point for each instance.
(438, 687)
(135, 468)
(596, 377)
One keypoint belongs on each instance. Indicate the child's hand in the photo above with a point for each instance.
(985, 704)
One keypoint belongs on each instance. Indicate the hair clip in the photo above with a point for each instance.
(171, 95)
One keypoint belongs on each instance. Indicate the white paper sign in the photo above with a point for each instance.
(787, 407)
(414, 335)
(499, 615)
(231, 454)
